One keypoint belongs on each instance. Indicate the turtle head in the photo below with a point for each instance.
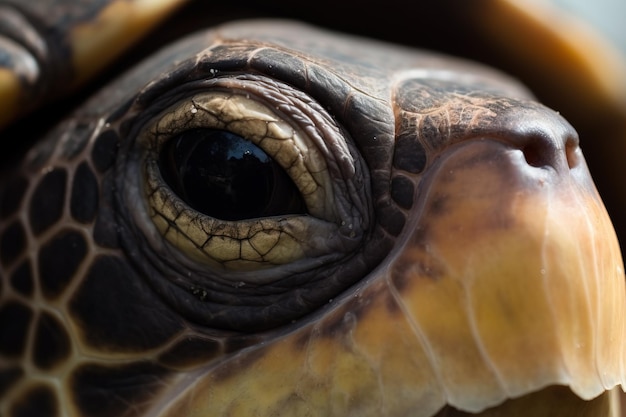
(268, 219)
(487, 268)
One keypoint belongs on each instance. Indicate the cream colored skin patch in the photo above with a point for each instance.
(254, 243)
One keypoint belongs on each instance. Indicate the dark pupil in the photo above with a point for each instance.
(227, 177)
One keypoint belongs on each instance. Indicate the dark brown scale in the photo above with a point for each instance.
(103, 234)
(85, 196)
(22, 279)
(8, 377)
(58, 261)
(39, 401)
(52, 343)
(11, 196)
(12, 242)
(46, 205)
(104, 391)
(105, 150)
(15, 320)
(121, 312)
(409, 154)
(392, 220)
(402, 190)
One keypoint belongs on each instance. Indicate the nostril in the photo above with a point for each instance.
(538, 153)
(572, 152)
(541, 153)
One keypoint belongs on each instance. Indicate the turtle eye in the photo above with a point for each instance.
(223, 175)
(246, 176)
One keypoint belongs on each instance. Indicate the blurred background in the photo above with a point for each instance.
(607, 16)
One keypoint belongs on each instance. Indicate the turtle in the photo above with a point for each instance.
(270, 218)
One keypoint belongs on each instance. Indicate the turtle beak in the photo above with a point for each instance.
(512, 278)
(505, 296)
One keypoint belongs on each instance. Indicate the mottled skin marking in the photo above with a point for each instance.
(428, 309)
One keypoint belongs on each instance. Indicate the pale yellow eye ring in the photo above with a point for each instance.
(300, 136)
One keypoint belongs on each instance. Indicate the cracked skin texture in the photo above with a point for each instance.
(497, 288)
